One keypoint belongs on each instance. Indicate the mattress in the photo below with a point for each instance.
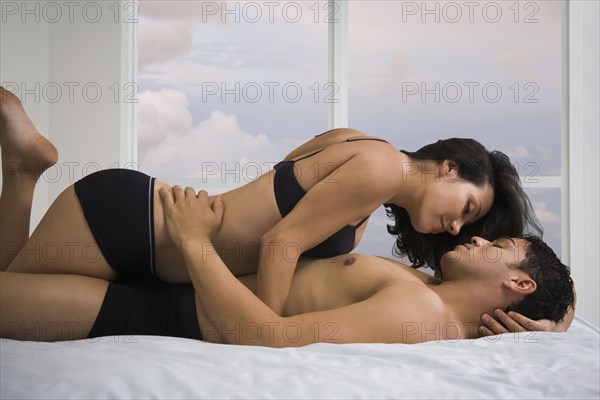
(530, 365)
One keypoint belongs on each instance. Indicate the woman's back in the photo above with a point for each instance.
(253, 209)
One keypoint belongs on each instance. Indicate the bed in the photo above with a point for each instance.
(530, 365)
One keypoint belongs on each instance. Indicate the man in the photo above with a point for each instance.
(348, 299)
(361, 298)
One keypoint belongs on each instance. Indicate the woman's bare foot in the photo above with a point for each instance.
(25, 156)
(25, 152)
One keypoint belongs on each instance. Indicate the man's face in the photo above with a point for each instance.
(482, 258)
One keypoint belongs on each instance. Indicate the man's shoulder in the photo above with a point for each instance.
(415, 295)
(417, 312)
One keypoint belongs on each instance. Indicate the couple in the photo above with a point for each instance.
(314, 203)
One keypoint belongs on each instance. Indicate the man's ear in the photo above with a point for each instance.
(522, 285)
(449, 170)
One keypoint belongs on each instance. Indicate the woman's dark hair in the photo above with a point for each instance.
(511, 213)
(554, 292)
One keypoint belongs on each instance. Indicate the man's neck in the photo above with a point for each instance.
(467, 301)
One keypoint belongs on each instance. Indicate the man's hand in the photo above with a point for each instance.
(515, 322)
(189, 216)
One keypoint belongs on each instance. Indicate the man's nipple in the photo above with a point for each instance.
(349, 261)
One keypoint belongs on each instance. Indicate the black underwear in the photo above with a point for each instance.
(151, 307)
(118, 205)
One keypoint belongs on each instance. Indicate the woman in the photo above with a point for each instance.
(316, 202)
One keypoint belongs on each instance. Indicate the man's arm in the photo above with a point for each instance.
(394, 314)
(241, 318)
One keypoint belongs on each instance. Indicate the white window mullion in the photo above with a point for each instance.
(583, 148)
(338, 64)
(541, 182)
(129, 85)
(565, 233)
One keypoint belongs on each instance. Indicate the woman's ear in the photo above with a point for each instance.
(449, 170)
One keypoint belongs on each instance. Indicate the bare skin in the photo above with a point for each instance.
(401, 307)
(25, 154)
(238, 243)
(347, 179)
(45, 307)
(64, 307)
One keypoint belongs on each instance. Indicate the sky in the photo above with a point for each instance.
(229, 88)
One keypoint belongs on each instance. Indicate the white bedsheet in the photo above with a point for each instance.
(528, 366)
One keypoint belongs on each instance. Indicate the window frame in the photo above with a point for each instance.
(338, 112)
(579, 132)
(576, 153)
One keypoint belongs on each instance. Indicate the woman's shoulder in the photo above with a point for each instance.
(373, 147)
(325, 140)
(341, 133)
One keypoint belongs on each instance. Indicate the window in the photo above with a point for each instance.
(228, 88)
(423, 71)
(228, 85)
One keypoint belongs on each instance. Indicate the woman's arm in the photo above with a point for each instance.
(350, 192)
(515, 322)
(241, 318)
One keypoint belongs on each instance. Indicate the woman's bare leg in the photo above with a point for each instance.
(49, 307)
(25, 156)
(62, 242)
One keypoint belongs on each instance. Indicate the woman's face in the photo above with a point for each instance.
(448, 203)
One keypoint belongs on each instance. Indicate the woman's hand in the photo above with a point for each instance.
(189, 216)
(515, 322)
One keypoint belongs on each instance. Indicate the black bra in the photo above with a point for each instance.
(288, 193)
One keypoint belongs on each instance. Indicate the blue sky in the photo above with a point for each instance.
(192, 52)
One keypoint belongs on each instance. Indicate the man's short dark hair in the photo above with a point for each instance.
(554, 294)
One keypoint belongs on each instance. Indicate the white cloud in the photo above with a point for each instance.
(476, 51)
(543, 214)
(518, 151)
(185, 75)
(546, 152)
(161, 41)
(383, 54)
(518, 64)
(386, 77)
(160, 114)
(173, 9)
(216, 150)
